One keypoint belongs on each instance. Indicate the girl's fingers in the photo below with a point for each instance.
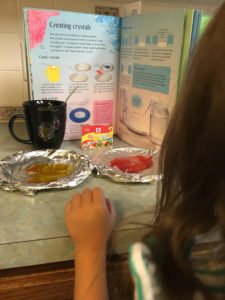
(98, 195)
(86, 196)
(76, 201)
(99, 198)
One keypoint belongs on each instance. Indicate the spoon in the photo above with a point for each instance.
(70, 94)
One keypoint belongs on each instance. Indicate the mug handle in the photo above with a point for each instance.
(11, 125)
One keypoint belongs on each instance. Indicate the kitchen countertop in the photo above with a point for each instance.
(32, 228)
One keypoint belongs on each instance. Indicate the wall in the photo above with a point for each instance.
(208, 6)
(13, 84)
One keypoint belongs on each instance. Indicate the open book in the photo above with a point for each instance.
(126, 70)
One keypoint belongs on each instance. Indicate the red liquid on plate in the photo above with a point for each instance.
(132, 164)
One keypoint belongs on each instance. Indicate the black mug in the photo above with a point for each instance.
(45, 123)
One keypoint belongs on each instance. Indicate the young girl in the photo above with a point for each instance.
(183, 257)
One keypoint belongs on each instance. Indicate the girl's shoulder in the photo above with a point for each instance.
(144, 273)
(207, 257)
(208, 263)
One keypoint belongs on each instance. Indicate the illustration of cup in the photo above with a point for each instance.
(123, 105)
(159, 117)
(52, 73)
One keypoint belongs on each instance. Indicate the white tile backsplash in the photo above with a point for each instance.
(206, 5)
(71, 5)
(13, 88)
(8, 17)
(10, 52)
(104, 3)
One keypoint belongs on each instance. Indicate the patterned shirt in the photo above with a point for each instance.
(207, 257)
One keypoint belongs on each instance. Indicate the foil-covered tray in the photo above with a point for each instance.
(103, 165)
(31, 171)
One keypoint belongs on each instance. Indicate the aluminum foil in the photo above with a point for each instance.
(102, 166)
(13, 174)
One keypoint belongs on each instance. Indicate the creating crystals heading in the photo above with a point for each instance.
(69, 26)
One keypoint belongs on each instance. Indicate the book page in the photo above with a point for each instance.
(67, 50)
(149, 69)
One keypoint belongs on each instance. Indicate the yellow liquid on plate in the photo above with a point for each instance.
(45, 173)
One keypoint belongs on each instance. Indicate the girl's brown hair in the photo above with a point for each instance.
(192, 161)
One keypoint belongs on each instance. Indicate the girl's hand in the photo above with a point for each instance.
(90, 219)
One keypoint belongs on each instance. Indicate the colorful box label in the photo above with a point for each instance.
(96, 136)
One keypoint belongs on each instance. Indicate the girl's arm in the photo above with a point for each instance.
(90, 218)
(90, 277)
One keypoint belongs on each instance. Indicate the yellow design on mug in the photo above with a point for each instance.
(52, 73)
